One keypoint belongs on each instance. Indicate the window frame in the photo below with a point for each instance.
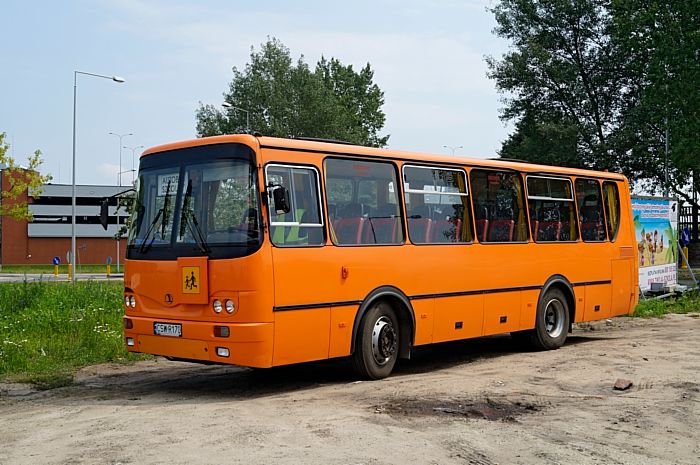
(572, 200)
(467, 184)
(400, 204)
(319, 200)
(521, 175)
(612, 237)
(605, 222)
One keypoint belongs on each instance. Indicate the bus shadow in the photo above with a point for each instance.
(167, 381)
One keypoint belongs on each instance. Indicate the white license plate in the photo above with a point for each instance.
(167, 329)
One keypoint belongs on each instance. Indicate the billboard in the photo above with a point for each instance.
(656, 230)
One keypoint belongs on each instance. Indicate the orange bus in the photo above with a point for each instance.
(260, 252)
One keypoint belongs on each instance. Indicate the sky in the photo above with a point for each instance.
(428, 58)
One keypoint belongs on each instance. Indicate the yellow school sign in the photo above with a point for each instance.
(191, 284)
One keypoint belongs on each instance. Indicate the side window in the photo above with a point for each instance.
(364, 196)
(499, 206)
(437, 205)
(552, 212)
(590, 210)
(303, 225)
(611, 201)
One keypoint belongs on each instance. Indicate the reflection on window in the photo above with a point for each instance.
(302, 225)
(611, 198)
(363, 202)
(590, 210)
(552, 212)
(437, 205)
(499, 206)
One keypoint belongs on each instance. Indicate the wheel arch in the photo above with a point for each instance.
(404, 313)
(560, 282)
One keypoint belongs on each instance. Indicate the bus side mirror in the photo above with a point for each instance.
(104, 212)
(280, 199)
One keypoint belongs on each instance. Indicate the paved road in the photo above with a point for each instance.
(17, 277)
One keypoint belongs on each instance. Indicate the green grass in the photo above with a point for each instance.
(50, 329)
(687, 303)
(62, 269)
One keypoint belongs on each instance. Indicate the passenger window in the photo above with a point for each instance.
(303, 225)
(611, 201)
(499, 206)
(590, 210)
(552, 213)
(437, 205)
(364, 196)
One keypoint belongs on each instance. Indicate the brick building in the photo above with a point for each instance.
(49, 234)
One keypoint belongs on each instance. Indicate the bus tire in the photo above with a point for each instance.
(377, 346)
(552, 321)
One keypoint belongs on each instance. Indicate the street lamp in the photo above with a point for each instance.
(133, 167)
(228, 106)
(453, 148)
(120, 136)
(75, 99)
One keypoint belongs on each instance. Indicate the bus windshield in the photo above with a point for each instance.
(195, 205)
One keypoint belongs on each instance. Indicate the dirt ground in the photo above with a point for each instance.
(474, 402)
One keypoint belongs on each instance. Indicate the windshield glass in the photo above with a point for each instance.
(196, 201)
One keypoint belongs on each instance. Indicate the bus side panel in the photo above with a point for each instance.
(528, 309)
(458, 317)
(597, 302)
(301, 335)
(342, 319)
(622, 276)
(501, 312)
(424, 310)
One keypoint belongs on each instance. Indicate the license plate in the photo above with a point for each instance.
(167, 329)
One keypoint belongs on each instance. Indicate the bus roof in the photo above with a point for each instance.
(340, 148)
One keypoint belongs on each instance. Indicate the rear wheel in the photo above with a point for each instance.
(552, 324)
(377, 345)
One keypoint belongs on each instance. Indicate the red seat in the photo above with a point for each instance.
(445, 231)
(501, 230)
(482, 228)
(381, 231)
(349, 230)
(419, 229)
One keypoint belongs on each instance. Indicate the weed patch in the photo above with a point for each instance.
(50, 329)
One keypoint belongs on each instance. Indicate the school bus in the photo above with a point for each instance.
(260, 251)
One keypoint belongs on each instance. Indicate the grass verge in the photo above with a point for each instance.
(687, 303)
(62, 269)
(50, 329)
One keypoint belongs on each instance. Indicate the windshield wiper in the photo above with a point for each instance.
(144, 248)
(162, 212)
(189, 219)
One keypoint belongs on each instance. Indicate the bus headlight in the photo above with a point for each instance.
(132, 301)
(217, 306)
(126, 300)
(230, 308)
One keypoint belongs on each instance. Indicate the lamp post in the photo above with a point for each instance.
(133, 167)
(228, 106)
(75, 99)
(120, 136)
(453, 148)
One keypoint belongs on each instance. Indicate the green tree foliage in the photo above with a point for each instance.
(660, 40)
(595, 82)
(20, 180)
(284, 98)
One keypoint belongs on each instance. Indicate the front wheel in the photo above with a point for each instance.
(377, 346)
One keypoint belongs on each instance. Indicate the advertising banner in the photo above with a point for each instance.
(656, 230)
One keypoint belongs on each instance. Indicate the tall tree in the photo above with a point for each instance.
(618, 75)
(20, 181)
(661, 40)
(279, 97)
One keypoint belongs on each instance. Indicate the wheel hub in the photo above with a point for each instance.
(384, 341)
